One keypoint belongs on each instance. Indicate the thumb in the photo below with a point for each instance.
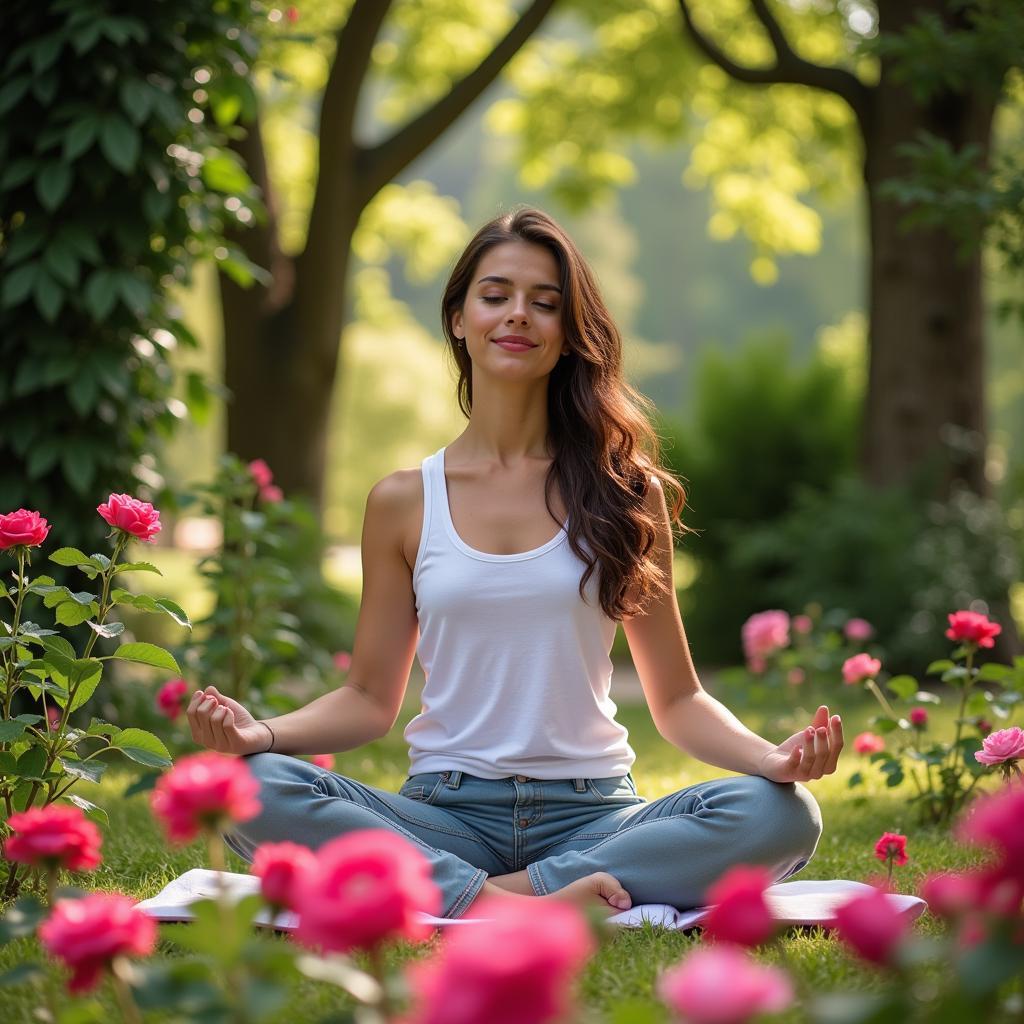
(613, 892)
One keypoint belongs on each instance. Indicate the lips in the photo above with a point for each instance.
(515, 339)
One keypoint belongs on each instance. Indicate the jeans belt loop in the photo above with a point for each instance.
(580, 785)
(454, 780)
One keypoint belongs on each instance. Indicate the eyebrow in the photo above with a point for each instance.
(536, 287)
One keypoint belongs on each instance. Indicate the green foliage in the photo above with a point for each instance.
(758, 423)
(900, 563)
(274, 618)
(42, 759)
(115, 181)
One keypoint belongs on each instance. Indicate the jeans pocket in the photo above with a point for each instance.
(615, 789)
(424, 788)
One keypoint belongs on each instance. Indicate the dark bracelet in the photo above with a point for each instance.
(273, 738)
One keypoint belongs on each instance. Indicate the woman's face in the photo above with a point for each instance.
(514, 294)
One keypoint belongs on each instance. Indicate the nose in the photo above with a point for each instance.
(517, 313)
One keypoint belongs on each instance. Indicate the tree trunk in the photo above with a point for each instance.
(925, 409)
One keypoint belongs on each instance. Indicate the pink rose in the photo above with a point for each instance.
(136, 517)
(984, 726)
(368, 886)
(517, 968)
(278, 866)
(271, 494)
(858, 629)
(88, 933)
(1004, 745)
(949, 894)
(803, 624)
(260, 473)
(860, 667)
(57, 835)
(868, 743)
(739, 913)
(795, 676)
(292, 14)
(342, 661)
(972, 628)
(892, 846)
(204, 791)
(170, 699)
(918, 717)
(997, 822)
(723, 985)
(765, 633)
(22, 529)
(53, 716)
(323, 761)
(756, 665)
(872, 926)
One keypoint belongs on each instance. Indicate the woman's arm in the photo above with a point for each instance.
(689, 717)
(366, 707)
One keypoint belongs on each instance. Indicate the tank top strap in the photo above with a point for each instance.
(433, 493)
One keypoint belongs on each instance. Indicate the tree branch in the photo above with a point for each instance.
(381, 163)
(788, 68)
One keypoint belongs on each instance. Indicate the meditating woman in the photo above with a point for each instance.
(505, 561)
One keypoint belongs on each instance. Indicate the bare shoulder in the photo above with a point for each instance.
(395, 506)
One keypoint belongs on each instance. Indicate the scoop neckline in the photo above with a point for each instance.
(488, 556)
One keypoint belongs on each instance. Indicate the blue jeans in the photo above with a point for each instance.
(663, 851)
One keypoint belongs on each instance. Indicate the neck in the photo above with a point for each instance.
(509, 422)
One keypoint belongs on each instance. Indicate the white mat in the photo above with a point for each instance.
(792, 903)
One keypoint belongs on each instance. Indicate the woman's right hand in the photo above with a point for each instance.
(222, 724)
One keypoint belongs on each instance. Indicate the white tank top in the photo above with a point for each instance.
(517, 666)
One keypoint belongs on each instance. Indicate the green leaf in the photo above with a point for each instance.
(938, 666)
(175, 611)
(22, 919)
(90, 809)
(80, 136)
(147, 654)
(137, 567)
(108, 630)
(143, 784)
(91, 771)
(70, 613)
(61, 261)
(11, 729)
(53, 185)
(48, 296)
(18, 284)
(32, 763)
(903, 686)
(58, 645)
(137, 294)
(87, 687)
(100, 293)
(12, 92)
(119, 142)
(224, 173)
(993, 672)
(69, 556)
(143, 747)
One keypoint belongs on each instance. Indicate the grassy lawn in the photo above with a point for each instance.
(138, 861)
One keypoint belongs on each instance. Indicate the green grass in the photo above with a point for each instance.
(138, 861)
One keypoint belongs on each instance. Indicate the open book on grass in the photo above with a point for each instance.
(792, 903)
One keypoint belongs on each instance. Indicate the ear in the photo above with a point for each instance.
(457, 328)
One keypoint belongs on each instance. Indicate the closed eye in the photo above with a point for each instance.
(501, 298)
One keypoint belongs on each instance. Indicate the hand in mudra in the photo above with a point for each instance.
(222, 724)
(808, 754)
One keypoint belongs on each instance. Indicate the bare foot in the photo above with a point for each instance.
(597, 891)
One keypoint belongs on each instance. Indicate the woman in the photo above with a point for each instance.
(505, 560)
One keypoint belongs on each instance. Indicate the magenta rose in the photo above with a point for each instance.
(950, 894)
(515, 967)
(918, 717)
(136, 517)
(997, 822)
(323, 761)
(723, 985)
(368, 886)
(1003, 745)
(342, 660)
(765, 633)
(22, 529)
(860, 667)
(260, 472)
(57, 835)
(88, 933)
(872, 925)
(858, 629)
(802, 624)
(892, 846)
(204, 792)
(973, 628)
(739, 913)
(271, 494)
(170, 699)
(278, 866)
(868, 743)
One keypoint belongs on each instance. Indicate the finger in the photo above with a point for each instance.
(203, 713)
(217, 727)
(821, 751)
(808, 748)
(820, 717)
(612, 891)
(835, 744)
(190, 714)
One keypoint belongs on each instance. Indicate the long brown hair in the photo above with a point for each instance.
(605, 449)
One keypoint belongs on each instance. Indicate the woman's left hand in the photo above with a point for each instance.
(807, 754)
